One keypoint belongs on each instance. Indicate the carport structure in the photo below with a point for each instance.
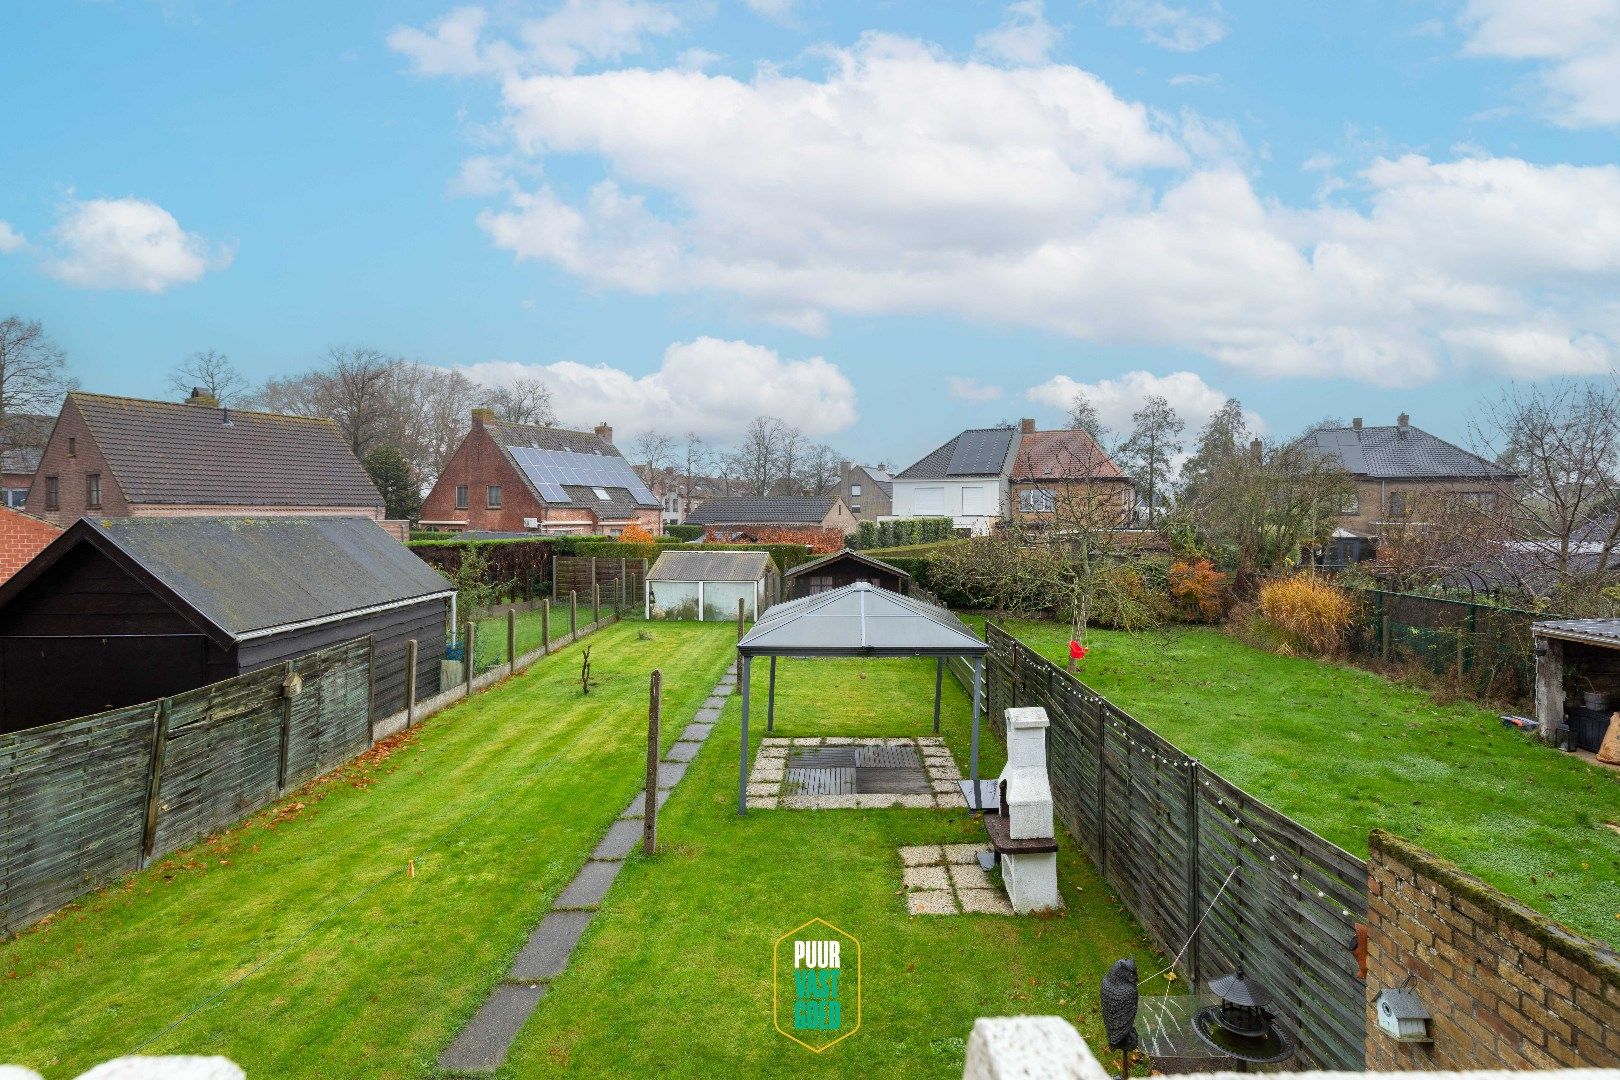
(861, 620)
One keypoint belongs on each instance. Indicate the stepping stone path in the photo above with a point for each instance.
(482, 1045)
(948, 880)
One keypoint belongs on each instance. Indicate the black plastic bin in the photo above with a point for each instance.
(1587, 727)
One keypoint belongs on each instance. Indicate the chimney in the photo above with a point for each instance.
(1255, 449)
(199, 396)
(604, 431)
(1026, 426)
(1356, 423)
(1403, 421)
(482, 416)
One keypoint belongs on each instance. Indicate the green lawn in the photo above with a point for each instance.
(1343, 751)
(298, 945)
(489, 641)
(674, 978)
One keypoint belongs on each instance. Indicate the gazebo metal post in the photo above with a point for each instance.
(973, 763)
(770, 701)
(742, 772)
(939, 680)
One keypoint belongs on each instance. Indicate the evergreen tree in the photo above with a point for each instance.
(1146, 455)
(402, 498)
(1226, 434)
(1083, 417)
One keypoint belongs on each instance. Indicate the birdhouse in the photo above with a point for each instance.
(292, 685)
(1402, 1016)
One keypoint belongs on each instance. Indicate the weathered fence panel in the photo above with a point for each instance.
(618, 578)
(1197, 860)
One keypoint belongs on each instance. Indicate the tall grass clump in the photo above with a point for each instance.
(1306, 614)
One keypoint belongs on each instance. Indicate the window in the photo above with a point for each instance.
(92, 491)
(601, 493)
(929, 502)
(855, 491)
(16, 497)
(492, 497)
(1397, 504)
(53, 493)
(1036, 501)
(972, 500)
(73, 447)
(855, 509)
(1350, 504)
(461, 496)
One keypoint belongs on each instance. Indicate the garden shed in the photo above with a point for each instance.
(1577, 678)
(844, 568)
(117, 611)
(706, 585)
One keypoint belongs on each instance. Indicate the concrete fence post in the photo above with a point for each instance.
(511, 641)
(573, 614)
(467, 664)
(410, 681)
(545, 626)
(649, 824)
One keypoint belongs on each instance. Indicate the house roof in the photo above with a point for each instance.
(243, 577)
(974, 453)
(1062, 455)
(563, 468)
(710, 566)
(880, 477)
(22, 440)
(166, 453)
(847, 554)
(1400, 453)
(859, 620)
(763, 510)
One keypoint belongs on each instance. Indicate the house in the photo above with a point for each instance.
(125, 457)
(118, 611)
(22, 441)
(1393, 468)
(680, 494)
(523, 478)
(843, 568)
(966, 479)
(735, 516)
(707, 585)
(1063, 478)
(867, 490)
(21, 538)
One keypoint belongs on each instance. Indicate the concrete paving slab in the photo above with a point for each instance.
(985, 901)
(669, 774)
(546, 954)
(707, 716)
(622, 837)
(683, 751)
(481, 1046)
(638, 805)
(921, 854)
(696, 731)
(589, 885)
(935, 902)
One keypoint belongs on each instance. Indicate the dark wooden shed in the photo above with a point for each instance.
(844, 568)
(118, 611)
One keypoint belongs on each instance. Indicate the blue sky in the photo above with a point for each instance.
(882, 222)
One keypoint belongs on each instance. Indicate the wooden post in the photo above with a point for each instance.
(467, 665)
(410, 681)
(593, 578)
(1549, 685)
(649, 823)
(286, 729)
(371, 687)
(511, 640)
(596, 601)
(573, 614)
(154, 779)
(545, 626)
(624, 584)
(554, 585)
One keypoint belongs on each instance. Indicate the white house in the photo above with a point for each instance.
(965, 480)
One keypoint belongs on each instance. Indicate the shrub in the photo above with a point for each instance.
(684, 532)
(819, 541)
(634, 533)
(1199, 590)
(1309, 614)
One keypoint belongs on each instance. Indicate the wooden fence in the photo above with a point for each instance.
(1167, 834)
(87, 800)
(621, 580)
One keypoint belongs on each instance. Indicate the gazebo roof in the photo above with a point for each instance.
(859, 620)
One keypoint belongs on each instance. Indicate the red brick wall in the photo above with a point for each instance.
(21, 538)
(70, 472)
(1508, 988)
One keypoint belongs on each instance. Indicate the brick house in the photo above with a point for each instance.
(1060, 476)
(21, 538)
(125, 457)
(867, 490)
(1394, 468)
(735, 515)
(22, 441)
(514, 478)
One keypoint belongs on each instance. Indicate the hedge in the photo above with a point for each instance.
(901, 532)
(684, 532)
(522, 558)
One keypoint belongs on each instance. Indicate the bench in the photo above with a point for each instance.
(1001, 838)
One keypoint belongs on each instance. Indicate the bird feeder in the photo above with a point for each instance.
(1402, 1015)
(1241, 1025)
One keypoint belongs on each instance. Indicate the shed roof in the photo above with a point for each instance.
(710, 566)
(762, 510)
(820, 565)
(244, 577)
(165, 453)
(1597, 631)
(859, 620)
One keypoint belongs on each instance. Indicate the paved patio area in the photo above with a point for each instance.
(841, 773)
(946, 879)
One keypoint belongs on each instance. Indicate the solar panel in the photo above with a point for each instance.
(550, 470)
(979, 453)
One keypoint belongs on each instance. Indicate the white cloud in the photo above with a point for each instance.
(1576, 44)
(1116, 399)
(777, 11)
(1190, 79)
(708, 386)
(128, 243)
(10, 239)
(963, 388)
(1171, 26)
(1024, 37)
(901, 180)
(572, 34)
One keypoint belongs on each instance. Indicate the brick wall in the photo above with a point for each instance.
(70, 456)
(21, 538)
(1508, 987)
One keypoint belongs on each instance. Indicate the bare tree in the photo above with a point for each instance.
(820, 474)
(33, 369)
(756, 461)
(525, 400)
(212, 372)
(437, 404)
